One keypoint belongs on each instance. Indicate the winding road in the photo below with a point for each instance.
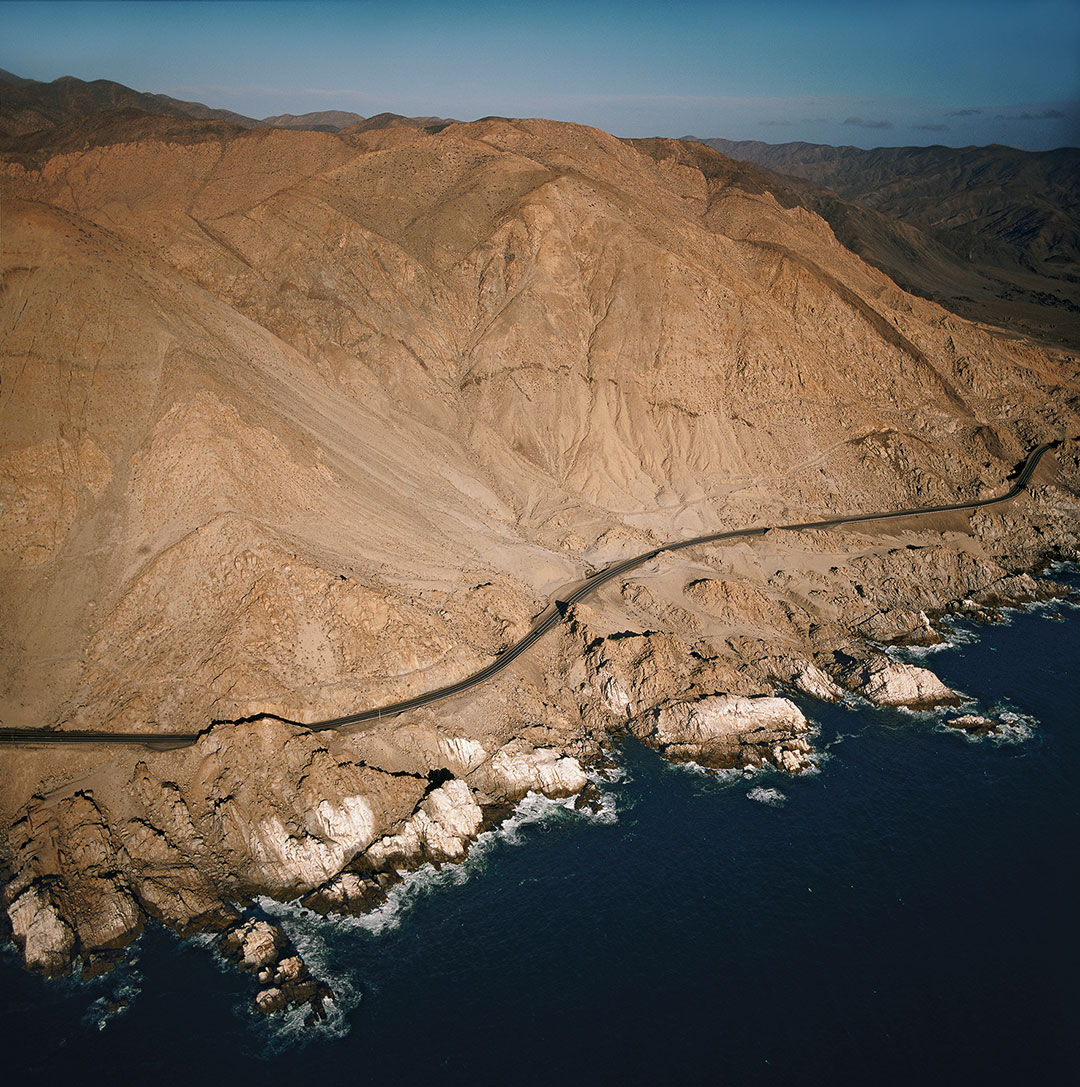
(549, 618)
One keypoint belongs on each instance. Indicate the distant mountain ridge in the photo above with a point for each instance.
(327, 120)
(1009, 217)
(960, 190)
(28, 106)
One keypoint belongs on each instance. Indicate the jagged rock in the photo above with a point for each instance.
(351, 892)
(895, 683)
(518, 768)
(736, 604)
(631, 673)
(804, 676)
(271, 1000)
(812, 681)
(287, 811)
(262, 948)
(290, 969)
(901, 625)
(729, 731)
(440, 829)
(255, 944)
(68, 894)
(44, 937)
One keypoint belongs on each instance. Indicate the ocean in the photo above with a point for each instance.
(904, 914)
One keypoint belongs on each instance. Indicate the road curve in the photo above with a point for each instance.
(548, 619)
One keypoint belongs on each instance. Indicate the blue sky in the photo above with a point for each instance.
(835, 71)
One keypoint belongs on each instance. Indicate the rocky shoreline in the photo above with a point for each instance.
(189, 838)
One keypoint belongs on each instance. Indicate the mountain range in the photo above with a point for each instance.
(28, 105)
(991, 232)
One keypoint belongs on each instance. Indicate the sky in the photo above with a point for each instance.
(868, 73)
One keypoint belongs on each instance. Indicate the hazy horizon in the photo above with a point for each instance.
(835, 72)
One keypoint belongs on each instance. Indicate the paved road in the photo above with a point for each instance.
(548, 619)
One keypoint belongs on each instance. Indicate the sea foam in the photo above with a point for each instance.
(763, 795)
(313, 933)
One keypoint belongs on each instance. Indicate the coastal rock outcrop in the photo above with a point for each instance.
(518, 768)
(440, 829)
(896, 683)
(69, 894)
(975, 724)
(262, 948)
(44, 937)
(730, 731)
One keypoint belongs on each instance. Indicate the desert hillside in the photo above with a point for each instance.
(464, 362)
(299, 422)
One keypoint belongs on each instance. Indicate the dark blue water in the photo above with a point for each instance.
(908, 914)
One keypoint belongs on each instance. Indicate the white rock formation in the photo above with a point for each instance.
(894, 683)
(258, 944)
(334, 835)
(729, 730)
(46, 939)
(726, 716)
(440, 829)
(812, 681)
(463, 754)
(518, 769)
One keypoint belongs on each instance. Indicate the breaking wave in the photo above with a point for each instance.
(955, 630)
(724, 778)
(123, 984)
(313, 933)
(428, 879)
(763, 795)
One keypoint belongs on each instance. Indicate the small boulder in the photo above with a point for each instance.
(974, 724)
(270, 1000)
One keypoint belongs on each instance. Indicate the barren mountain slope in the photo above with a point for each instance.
(426, 356)
(28, 105)
(1008, 218)
(299, 422)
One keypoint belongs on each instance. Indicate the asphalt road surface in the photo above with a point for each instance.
(549, 618)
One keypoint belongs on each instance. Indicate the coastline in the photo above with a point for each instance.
(658, 683)
(495, 909)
